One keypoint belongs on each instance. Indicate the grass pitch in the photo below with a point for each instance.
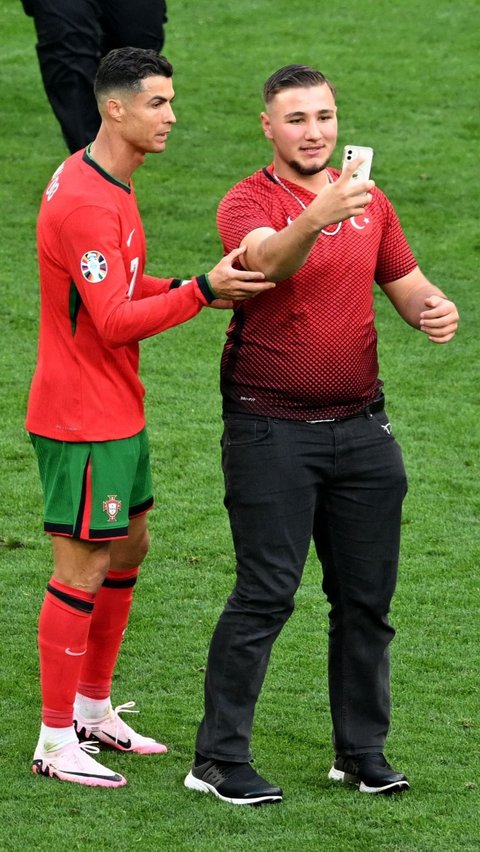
(406, 86)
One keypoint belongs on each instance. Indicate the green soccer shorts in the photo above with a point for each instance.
(92, 490)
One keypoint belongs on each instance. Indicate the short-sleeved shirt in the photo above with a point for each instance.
(96, 303)
(307, 349)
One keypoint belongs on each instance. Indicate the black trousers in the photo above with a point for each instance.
(72, 37)
(342, 483)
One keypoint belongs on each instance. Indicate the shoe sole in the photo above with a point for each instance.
(193, 783)
(386, 790)
(41, 768)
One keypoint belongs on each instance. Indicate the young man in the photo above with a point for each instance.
(308, 449)
(85, 411)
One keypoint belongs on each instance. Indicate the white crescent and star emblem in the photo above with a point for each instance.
(366, 221)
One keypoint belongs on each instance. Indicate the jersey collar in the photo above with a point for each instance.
(88, 159)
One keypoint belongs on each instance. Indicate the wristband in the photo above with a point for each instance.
(207, 279)
(206, 288)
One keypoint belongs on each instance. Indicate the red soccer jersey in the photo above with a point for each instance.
(307, 350)
(96, 304)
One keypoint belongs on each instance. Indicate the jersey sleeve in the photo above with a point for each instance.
(152, 286)
(395, 257)
(239, 213)
(98, 269)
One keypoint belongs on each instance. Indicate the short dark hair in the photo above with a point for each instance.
(126, 67)
(294, 77)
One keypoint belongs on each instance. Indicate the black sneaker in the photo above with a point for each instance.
(370, 772)
(237, 783)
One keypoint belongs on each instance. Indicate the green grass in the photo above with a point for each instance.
(407, 86)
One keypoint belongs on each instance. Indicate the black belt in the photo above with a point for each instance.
(368, 411)
(376, 405)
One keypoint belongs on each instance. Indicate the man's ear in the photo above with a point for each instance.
(114, 109)
(266, 125)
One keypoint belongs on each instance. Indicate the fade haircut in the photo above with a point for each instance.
(294, 77)
(125, 68)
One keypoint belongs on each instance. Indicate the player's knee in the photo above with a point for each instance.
(141, 547)
(92, 571)
(98, 568)
(82, 565)
(134, 551)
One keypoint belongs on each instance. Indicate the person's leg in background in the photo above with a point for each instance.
(133, 24)
(68, 51)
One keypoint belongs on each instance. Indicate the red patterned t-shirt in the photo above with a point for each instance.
(307, 349)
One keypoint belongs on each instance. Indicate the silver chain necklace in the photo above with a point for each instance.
(281, 183)
(304, 206)
(297, 199)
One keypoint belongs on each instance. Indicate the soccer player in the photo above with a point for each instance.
(85, 410)
(308, 449)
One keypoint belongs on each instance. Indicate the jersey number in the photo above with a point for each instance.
(133, 270)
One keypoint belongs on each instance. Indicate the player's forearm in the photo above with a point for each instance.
(152, 286)
(130, 321)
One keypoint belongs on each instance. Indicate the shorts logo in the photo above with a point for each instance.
(94, 267)
(112, 507)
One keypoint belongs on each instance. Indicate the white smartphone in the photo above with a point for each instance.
(351, 152)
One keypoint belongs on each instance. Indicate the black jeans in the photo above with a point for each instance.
(343, 483)
(72, 37)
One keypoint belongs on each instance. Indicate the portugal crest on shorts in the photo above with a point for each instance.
(112, 506)
(94, 267)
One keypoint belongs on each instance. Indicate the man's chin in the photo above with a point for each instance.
(156, 148)
(307, 171)
(158, 143)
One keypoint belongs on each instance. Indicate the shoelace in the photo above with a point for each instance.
(89, 747)
(122, 708)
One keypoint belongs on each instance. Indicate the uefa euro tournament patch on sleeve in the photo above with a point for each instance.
(94, 267)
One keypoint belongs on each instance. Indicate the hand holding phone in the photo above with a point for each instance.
(352, 152)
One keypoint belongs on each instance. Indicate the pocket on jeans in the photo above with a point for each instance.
(380, 418)
(240, 431)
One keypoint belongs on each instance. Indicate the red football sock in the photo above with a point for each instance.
(63, 629)
(110, 618)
